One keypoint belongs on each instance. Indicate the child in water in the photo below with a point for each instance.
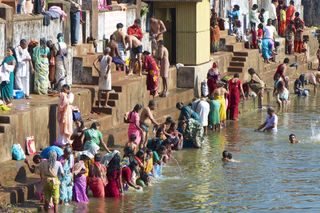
(293, 139)
(227, 157)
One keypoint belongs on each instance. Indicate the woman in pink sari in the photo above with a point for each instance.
(150, 65)
(134, 124)
(65, 116)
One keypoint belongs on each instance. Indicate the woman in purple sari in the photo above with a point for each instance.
(80, 183)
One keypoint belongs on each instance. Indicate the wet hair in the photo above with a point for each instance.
(95, 125)
(37, 157)
(169, 120)
(114, 163)
(236, 75)
(133, 137)
(66, 86)
(146, 53)
(137, 107)
(97, 157)
(179, 105)
(152, 103)
(286, 61)
(140, 153)
(225, 154)
(229, 156)
(119, 25)
(292, 135)
(251, 71)
(297, 14)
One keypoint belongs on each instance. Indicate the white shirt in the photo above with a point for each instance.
(22, 66)
(5, 70)
(203, 109)
(253, 16)
(270, 32)
(273, 12)
(272, 121)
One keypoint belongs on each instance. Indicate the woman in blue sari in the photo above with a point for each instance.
(41, 61)
(7, 77)
(67, 180)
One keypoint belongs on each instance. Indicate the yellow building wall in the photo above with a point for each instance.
(192, 30)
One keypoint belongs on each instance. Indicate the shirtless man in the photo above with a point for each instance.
(157, 28)
(146, 120)
(113, 45)
(135, 47)
(119, 37)
(220, 94)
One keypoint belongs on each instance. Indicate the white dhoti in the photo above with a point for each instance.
(105, 83)
(60, 74)
(22, 78)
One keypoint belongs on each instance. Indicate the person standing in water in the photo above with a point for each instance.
(271, 123)
(293, 139)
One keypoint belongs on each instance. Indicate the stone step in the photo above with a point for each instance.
(83, 49)
(235, 69)
(240, 53)
(224, 33)
(110, 102)
(107, 111)
(239, 58)
(237, 64)
(4, 127)
(5, 119)
(235, 47)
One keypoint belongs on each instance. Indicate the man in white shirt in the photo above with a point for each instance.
(203, 108)
(271, 123)
(270, 31)
(273, 13)
(24, 66)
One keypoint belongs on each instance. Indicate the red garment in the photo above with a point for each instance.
(112, 188)
(212, 85)
(254, 39)
(97, 187)
(260, 33)
(153, 74)
(234, 98)
(290, 13)
(126, 174)
(136, 31)
(280, 71)
(96, 183)
(298, 46)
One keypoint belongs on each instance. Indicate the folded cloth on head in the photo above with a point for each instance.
(108, 157)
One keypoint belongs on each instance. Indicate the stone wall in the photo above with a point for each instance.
(2, 39)
(312, 12)
(31, 27)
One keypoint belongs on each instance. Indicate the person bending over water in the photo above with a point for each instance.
(271, 123)
(293, 139)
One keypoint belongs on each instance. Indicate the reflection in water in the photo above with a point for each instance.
(273, 175)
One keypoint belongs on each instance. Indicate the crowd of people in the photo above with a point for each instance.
(284, 21)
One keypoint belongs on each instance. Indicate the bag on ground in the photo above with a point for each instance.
(17, 152)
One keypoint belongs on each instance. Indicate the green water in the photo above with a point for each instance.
(273, 175)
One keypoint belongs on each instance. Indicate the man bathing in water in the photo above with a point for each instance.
(271, 123)
(227, 157)
(293, 139)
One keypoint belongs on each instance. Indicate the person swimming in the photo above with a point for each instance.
(227, 157)
(293, 139)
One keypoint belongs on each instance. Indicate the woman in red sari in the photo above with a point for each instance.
(235, 89)
(150, 65)
(114, 186)
(290, 12)
(97, 177)
(213, 77)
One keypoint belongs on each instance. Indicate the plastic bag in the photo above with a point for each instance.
(30, 145)
(17, 152)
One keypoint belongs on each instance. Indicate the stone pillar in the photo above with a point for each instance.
(94, 18)
(65, 6)
(6, 13)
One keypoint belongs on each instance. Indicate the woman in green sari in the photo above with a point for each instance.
(41, 61)
(7, 77)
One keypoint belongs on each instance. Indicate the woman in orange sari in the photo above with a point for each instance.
(65, 116)
(150, 65)
(283, 19)
(215, 36)
(290, 12)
